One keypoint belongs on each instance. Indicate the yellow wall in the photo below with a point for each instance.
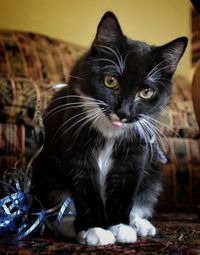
(154, 21)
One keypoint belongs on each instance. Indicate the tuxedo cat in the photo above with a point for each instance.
(102, 143)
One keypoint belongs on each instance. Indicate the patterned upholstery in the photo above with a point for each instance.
(31, 63)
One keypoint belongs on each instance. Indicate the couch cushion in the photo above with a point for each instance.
(16, 140)
(183, 151)
(178, 117)
(178, 120)
(36, 56)
(18, 98)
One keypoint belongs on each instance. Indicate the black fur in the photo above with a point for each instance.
(68, 161)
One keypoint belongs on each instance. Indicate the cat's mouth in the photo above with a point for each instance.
(116, 121)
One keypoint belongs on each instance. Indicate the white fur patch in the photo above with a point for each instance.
(104, 161)
(142, 212)
(96, 236)
(124, 233)
(143, 227)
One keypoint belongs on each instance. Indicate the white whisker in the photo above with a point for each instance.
(67, 121)
(155, 74)
(147, 136)
(156, 133)
(90, 117)
(120, 64)
(154, 69)
(76, 77)
(162, 124)
(80, 120)
(68, 106)
(160, 135)
(112, 62)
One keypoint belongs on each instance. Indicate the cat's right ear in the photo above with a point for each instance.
(108, 31)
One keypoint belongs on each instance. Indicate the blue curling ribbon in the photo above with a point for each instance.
(66, 209)
(16, 208)
(25, 229)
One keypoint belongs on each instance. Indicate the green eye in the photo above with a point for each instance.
(111, 82)
(146, 93)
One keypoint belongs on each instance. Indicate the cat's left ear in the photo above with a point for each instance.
(108, 30)
(172, 53)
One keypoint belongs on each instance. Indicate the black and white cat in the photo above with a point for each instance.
(101, 142)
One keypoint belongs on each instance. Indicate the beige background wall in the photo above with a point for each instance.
(155, 21)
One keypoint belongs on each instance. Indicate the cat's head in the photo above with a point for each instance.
(130, 77)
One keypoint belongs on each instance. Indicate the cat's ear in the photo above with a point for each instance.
(172, 53)
(108, 30)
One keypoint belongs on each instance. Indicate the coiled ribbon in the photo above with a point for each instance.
(17, 208)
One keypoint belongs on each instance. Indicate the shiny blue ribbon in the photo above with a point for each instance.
(16, 209)
(66, 209)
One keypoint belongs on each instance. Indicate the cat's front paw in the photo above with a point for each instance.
(143, 227)
(124, 233)
(96, 236)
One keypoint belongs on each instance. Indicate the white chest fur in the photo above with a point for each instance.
(104, 160)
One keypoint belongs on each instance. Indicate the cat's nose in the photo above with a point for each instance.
(123, 113)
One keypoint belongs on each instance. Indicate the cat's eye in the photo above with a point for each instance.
(111, 82)
(147, 93)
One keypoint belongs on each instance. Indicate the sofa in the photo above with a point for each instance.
(30, 64)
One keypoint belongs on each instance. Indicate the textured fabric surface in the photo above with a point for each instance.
(29, 65)
(178, 120)
(15, 139)
(18, 99)
(178, 117)
(183, 151)
(28, 55)
(177, 235)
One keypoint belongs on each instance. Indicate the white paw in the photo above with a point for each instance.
(124, 233)
(96, 236)
(143, 227)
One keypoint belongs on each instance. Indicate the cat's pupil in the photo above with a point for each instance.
(111, 80)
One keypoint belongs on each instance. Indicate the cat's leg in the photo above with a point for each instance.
(89, 225)
(119, 201)
(90, 222)
(147, 197)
